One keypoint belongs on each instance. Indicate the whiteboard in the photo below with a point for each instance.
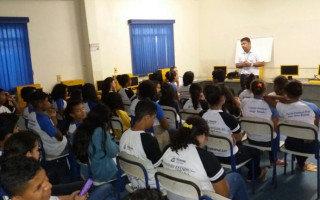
(263, 46)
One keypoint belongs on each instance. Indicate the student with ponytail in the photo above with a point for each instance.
(186, 152)
(197, 100)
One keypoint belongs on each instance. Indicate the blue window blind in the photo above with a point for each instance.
(15, 59)
(152, 45)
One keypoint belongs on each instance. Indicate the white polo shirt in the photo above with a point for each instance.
(252, 57)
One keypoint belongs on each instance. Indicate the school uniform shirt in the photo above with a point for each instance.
(174, 85)
(4, 109)
(59, 104)
(127, 95)
(26, 112)
(144, 146)
(299, 111)
(255, 107)
(196, 162)
(88, 105)
(42, 124)
(245, 94)
(184, 92)
(252, 57)
(72, 129)
(222, 123)
(189, 105)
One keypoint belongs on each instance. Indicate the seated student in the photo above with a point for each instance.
(279, 84)
(187, 81)
(247, 93)
(23, 179)
(146, 194)
(172, 78)
(114, 101)
(4, 98)
(146, 90)
(90, 98)
(140, 144)
(232, 103)
(8, 126)
(179, 80)
(126, 93)
(304, 112)
(256, 107)
(25, 94)
(54, 143)
(187, 154)
(167, 97)
(109, 85)
(59, 94)
(197, 100)
(224, 123)
(218, 76)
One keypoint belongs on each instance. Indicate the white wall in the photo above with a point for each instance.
(294, 24)
(55, 37)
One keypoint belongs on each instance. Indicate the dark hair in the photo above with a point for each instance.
(76, 95)
(258, 87)
(294, 89)
(38, 97)
(213, 94)
(89, 92)
(245, 39)
(143, 108)
(123, 80)
(186, 135)
(219, 75)
(157, 76)
(146, 194)
(248, 80)
(7, 123)
(188, 78)
(114, 101)
(16, 172)
(167, 95)
(99, 116)
(230, 105)
(69, 109)
(172, 68)
(146, 90)
(1, 90)
(59, 91)
(26, 92)
(279, 83)
(20, 144)
(171, 75)
(195, 91)
(106, 85)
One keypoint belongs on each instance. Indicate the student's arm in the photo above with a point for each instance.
(272, 99)
(47, 126)
(58, 135)
(74, 196)
(221, 188)
(275, 122)
(151, 147)
(258, 64)
(18, 110)
(160, 116)
(234, 126)
(316, 121)
(111, 146)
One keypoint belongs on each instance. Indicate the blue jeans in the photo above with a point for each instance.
(237, 187)
(102, 192)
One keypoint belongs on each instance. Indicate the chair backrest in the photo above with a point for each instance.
(171, 115)
(133, 166)
(256, 126)
(127, 107)
(220, 141)
(178, 183)
(117, 124)
(185, 113)
(298, 129)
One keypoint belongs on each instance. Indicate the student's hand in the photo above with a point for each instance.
(9, 97)
(202, 97)
(52, 113)
(75, 196)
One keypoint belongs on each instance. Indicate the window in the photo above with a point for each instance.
(15, 60)
(152, 45)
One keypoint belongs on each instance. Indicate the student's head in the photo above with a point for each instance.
(214, 95)
(258, 87)
(76, 95)
(188, 78)
(146, 90)
(8, 125)
(59, 91)
(174, 69)
(248, 81)
(24, 143)
(89, 92)
(195, 93)
(40, 101)
(23, 179)
(3, 96)
(145, 112)
(75, 111)
(156, 76)
(167, 93)
(113, 100)
(246, 44)
(109, 84)
(218, 76)
(158, 87)
(146, 194)
(124, 80)
(171, 76)
(279, 84)
(294, 89)
(26, 92)
(194, 131)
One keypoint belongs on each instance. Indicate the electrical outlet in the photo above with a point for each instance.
(59, 78)
(115, 70)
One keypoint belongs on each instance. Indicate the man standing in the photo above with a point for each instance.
(248, 61)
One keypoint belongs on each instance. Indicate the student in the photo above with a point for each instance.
(23, 179)
(257, 108)
(54, 143)
(197, 100)
(224, 123)
(247, 93)
(187, 154)
(8, 126)
(218, 76)
(179, 80)
(109, 85)
(25, 94)
(187, 81)
(172, 78)
(279, 84)
(126, 93)
(140, 144)
(76, 95)
(90, 98)
(146, 194)
(232, 103)
(167, 97)
(296, 109)
(6, 97)
(59, 94)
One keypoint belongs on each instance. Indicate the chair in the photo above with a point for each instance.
(186, 113)
(304, 131)
(259, 126)
(132, 166)
(127, 107)
(225, 143)
(171, 115)
(183, 185)
(117, 126)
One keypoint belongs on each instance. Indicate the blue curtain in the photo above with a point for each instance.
(152, 45)
(15, 60)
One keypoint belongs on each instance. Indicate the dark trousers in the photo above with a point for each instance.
(263, 144)
(300, 145)
(243, 80)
